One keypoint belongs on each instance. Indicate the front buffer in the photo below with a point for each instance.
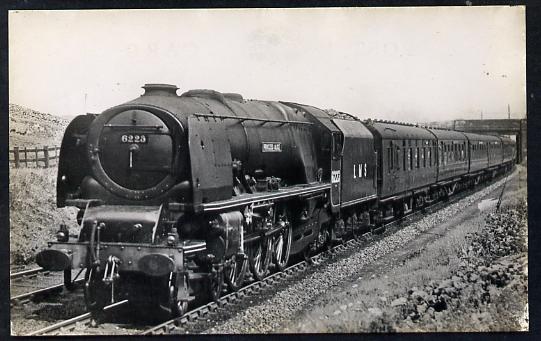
(124, 249)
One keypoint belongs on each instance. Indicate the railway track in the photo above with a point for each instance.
(192, 317)
(25, 273)
(29, 283)
(70, 324)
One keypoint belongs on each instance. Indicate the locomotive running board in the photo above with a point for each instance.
(246, 199)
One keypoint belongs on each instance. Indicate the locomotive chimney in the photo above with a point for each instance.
(160, 90)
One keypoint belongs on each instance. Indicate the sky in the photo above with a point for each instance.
(408, 64)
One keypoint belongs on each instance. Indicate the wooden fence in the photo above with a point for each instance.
(34, 157)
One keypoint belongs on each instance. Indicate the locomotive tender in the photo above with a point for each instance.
(179, 195)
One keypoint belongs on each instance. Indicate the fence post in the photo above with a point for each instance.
(37, 159)
(25, 158)
(16, 156)
(46, 155)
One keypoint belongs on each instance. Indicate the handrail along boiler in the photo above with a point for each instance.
(181, 195)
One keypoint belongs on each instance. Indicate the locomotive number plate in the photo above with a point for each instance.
(271, 147)
(134, 138)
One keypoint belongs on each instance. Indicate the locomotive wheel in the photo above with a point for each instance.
(356, 230)
(323, 239)
(234, 271)
(308, 252)
(215, 284)
(96, 293)
(282, 248)
(259, 258)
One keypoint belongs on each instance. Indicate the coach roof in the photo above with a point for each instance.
(395, 131)
(443, 134)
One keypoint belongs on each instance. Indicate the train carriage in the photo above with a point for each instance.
(407, 166)
(494, 150)
(478, 152)
(407, 157)
(508, 150)
(452, 154)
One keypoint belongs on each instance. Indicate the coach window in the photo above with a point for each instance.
(418, 156)
(404, 155)
(409, 158)
(444, 154)
(397, 157)
(390, 157)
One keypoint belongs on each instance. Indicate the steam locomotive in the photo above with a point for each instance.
(179, 196)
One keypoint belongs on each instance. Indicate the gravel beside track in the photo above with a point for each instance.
(269, 316)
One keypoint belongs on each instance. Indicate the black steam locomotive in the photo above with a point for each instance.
(179, 195)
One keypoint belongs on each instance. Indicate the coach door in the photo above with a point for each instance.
(336, 163)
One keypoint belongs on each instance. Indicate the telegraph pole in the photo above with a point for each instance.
(508, 112)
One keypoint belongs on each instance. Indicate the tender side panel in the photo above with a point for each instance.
(210, 158)
(358, 162)
(328, 139)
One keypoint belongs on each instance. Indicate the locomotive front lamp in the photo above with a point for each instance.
(172, 237)
(63, 234)
(171, 240)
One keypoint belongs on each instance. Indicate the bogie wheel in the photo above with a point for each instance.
(172, 306)
(282, 248)
(177, 308)
(96, 293)
(68, 282)
(234, 271)
(259, 258)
